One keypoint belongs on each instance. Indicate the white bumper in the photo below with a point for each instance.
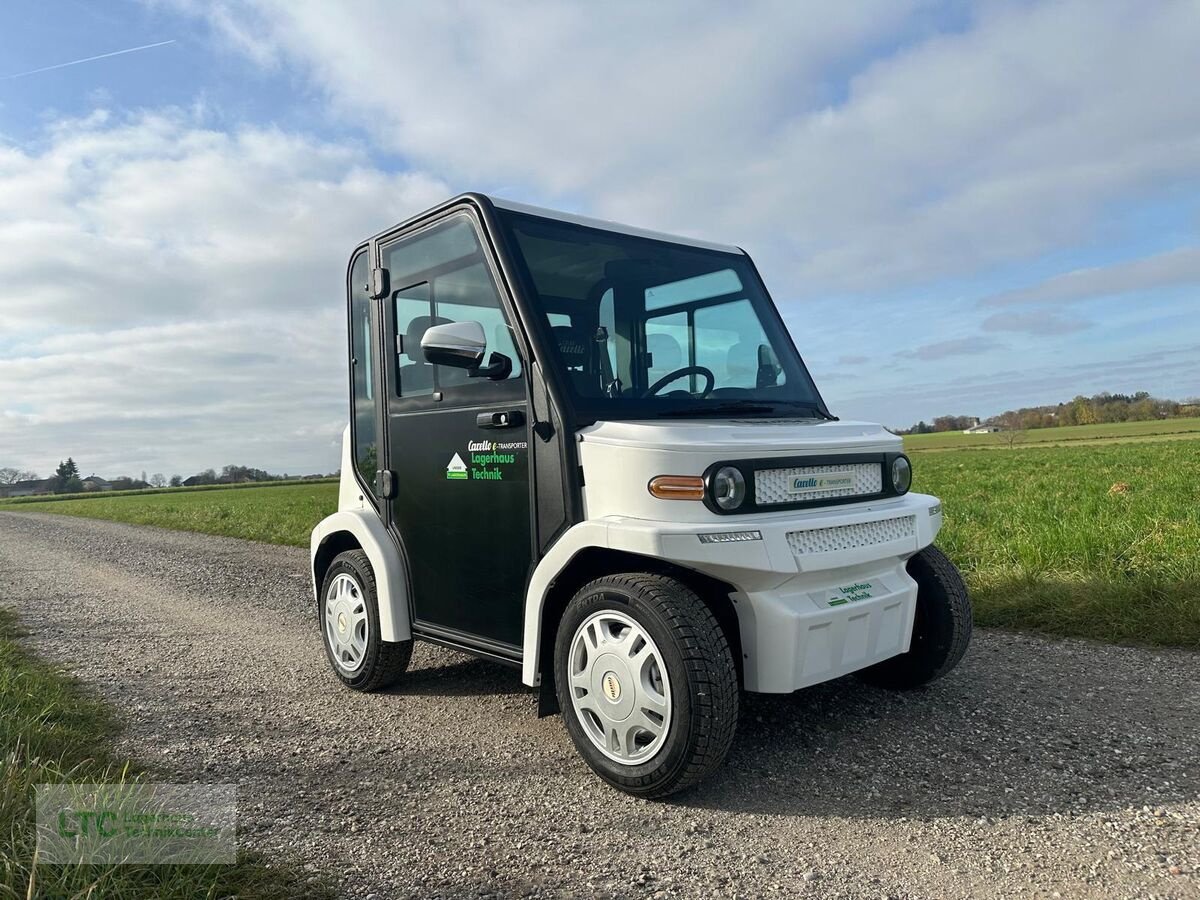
(818, 595)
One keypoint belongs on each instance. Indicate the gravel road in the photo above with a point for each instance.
(1038, 769)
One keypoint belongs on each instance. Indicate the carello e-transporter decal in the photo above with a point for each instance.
(488, 461)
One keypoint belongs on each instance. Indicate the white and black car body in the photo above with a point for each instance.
(564, 425)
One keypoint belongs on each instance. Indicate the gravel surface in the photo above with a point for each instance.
(1038, 769)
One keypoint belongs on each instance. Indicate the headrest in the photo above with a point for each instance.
(742, 361)
(416, 330)
(665, 352)
(572, 346)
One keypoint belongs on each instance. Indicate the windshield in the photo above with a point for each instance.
(649, 327)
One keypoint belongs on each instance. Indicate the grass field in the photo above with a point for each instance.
(1044, 539)
(1096, 541)
(52, 731)
(1163, 429)
(275, 514)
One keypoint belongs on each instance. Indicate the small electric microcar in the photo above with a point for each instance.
(592, 452)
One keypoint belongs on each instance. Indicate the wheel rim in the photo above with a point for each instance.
(346, 626)
(619, 687)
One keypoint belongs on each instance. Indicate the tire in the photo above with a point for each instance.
(349, 588)
(941, 628)
(684, 660)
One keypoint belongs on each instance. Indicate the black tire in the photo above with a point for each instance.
(384, 661)
(700, 667)
(941, 629)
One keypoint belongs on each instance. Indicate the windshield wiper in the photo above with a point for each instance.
(811, 407)
(719, 409)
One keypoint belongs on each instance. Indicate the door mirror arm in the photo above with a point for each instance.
(498, 368)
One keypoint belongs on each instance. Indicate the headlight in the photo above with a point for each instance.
(728, 488)
(901, 474)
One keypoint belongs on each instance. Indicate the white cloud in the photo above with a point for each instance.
(1037, 322)
(946, 349)
(767, 123)
(170, 292)
(1163, 270)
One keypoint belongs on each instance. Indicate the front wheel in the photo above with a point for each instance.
(941, 629)
(349, 616)
(646, 682)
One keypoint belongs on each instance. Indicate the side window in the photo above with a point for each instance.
(449, 281)
(414, 315)
(468, 294)
(362, 349)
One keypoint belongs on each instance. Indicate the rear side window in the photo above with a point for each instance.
(362, 351)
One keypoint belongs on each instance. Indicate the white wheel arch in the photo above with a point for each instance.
(364, 527)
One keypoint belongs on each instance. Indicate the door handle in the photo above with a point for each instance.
(508, 418)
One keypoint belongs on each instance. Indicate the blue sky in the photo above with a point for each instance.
(960, 208)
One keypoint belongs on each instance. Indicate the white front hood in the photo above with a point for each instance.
(748, 437)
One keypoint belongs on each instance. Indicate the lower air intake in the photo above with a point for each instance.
(847, 537)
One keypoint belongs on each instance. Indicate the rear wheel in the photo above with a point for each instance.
(646, 682)
(941, 629)
(349, 616)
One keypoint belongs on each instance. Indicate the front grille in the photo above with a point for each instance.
(772, 486)
(847, 537)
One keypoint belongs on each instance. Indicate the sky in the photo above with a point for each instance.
(960, 208)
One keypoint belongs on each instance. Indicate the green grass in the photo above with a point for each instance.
(278, 514)
(141, 492)
(1161, 429)
(1047, 545)
(53, 731)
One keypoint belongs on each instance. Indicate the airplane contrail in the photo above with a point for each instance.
(76, 62)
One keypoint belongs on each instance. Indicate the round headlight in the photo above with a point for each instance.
(728, 488)
(901, 474)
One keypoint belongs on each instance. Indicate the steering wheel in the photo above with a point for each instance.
(679, 373)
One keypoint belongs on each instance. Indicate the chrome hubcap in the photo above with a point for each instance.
(346, 626)
(619, 687)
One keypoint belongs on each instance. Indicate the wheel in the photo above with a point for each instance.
(646, 682)
(941, 629)
(349, 615)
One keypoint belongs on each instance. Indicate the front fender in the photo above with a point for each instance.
(390, 578)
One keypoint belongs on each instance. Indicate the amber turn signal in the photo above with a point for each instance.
(677, 487)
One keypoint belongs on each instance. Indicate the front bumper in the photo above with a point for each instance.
(819, 594)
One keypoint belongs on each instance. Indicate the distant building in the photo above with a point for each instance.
(27, 488)
(96, 483)
(981, 428)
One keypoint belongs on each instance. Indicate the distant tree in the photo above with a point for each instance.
(10, 475)
(239, 474)
(176, 480)
(953, 423)
(66, 478)
(128, 483)
(158, 479)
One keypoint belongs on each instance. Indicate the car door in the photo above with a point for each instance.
(458, 447)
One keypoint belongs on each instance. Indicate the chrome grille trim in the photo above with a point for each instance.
(771, 485)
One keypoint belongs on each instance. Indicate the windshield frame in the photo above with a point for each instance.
(587, 410)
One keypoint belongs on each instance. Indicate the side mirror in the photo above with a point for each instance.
(458, 344)
(461, 345)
